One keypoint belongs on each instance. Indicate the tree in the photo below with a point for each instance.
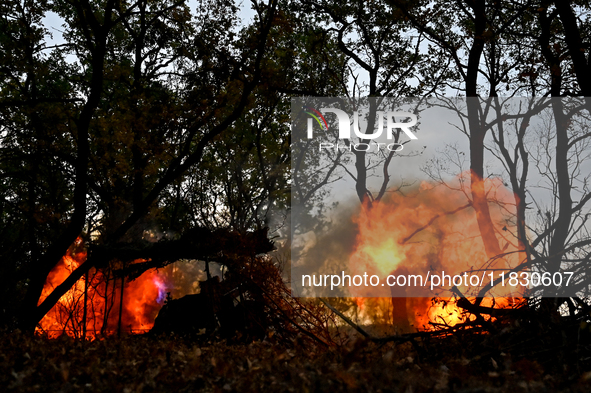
(113, 158)
(534, 35)
(497, 48)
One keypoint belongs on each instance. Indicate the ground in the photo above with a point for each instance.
(169, 364)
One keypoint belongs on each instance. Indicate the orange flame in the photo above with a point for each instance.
(142, 298)
(434, 230)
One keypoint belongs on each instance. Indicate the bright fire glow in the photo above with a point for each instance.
(142, 298)
(434, 230)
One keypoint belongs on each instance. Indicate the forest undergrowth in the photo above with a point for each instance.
(518, 357)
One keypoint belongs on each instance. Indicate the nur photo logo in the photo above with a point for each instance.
(388, 128)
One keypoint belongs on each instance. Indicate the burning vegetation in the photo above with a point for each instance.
(457, 338)
(435, 230)
(251, 300)
(431, 231)
(102, 302)
(164, 115)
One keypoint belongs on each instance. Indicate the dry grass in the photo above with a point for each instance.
(142, 364)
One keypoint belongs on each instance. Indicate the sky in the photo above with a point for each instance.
(54, 23)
